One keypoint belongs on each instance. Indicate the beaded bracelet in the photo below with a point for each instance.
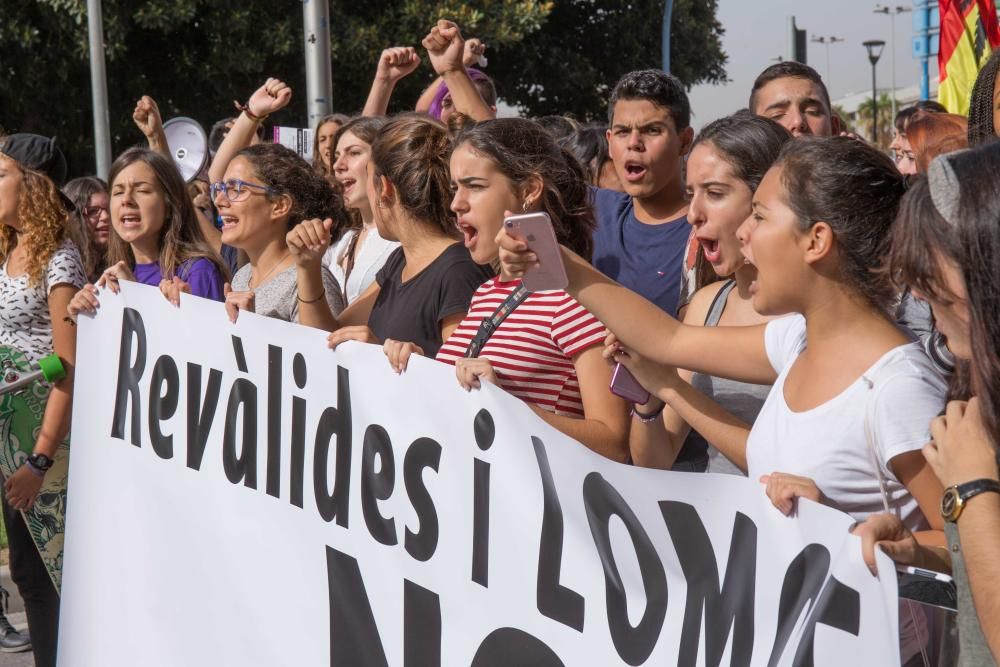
(647, 418)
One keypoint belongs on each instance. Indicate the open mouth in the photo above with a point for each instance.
(711, 249)
(131, 220)
(634, 171)
(469, 233)
(348, 184)
(229, 221)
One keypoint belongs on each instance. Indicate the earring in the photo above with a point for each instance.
(383, 203)
(524, 206)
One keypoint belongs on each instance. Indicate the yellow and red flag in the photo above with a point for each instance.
(969, 33)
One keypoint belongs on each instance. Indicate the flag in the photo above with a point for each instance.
(969, 33)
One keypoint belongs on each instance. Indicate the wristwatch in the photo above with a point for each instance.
(40, 462)
(955, 497)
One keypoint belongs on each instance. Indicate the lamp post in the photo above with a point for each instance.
(826, 41)
(874, 47)
(668, 10)
(891, 12)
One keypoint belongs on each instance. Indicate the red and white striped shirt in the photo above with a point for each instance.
(532, 350)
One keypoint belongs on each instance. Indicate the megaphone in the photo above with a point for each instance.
(188, 145)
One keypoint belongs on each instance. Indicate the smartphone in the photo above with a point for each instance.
(624, 384)
(926, 587)
(535, 229)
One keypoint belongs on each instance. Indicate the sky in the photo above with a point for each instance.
(757, 33)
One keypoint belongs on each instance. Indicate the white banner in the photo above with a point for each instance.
(241, 495)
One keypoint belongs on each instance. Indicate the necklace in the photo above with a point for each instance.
(268, 274)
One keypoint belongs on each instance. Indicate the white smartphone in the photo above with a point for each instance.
(535, 229)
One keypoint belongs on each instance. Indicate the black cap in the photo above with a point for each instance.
(38, 153)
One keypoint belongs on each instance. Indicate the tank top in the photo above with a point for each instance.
(740, 398)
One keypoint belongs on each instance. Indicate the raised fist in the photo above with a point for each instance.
(273, 96)
(147, 116)
(397, 62)
(445, 47)
(475, 53)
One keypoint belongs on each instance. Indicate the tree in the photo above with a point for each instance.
(883, 117)
(585, 46)
(196, 56)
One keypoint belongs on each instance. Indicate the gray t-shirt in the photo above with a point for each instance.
(278, 297)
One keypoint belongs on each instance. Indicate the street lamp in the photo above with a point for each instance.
(874, 47)
(891, 12)
(826, 41)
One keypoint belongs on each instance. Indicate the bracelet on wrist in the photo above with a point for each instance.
(35, 470)
(301, 300)
(647, 417)
(245, 108)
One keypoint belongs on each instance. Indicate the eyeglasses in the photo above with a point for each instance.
(237, 190)
(95, 211)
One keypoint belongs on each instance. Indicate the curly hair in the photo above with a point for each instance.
(285, 173)
(43, 218)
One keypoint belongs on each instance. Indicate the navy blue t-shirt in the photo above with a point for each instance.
(648, 259)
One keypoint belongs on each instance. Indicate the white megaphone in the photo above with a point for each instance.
(188, 145)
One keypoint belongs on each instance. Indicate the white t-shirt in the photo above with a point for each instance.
(901, 393)
(25, 322)
(368, 260)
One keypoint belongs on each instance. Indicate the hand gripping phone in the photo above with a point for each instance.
(624, 384)
(535, 229)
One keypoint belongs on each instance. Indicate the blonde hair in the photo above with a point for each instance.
(44, 221)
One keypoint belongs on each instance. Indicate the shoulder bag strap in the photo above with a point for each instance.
(492, 323)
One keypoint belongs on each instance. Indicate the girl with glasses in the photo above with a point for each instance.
(263, 191)
(89, 195)
(155, 237)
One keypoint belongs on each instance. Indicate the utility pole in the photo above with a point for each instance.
(892, 12)
(99, 88)
(319, 83)
(668, 10)
(826, 41)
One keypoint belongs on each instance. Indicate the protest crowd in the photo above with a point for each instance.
(770, 297)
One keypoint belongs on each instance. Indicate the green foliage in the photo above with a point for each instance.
(196, 56)
(883, 117)
(587, 45)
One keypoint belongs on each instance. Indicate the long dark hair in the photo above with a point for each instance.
(750, 144)
(317, 160)
(181, 239)
(412, 152)
(855, 189)
(966, 233)
(522, 149)
(80, 190)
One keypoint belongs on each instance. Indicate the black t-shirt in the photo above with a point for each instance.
(412, 311)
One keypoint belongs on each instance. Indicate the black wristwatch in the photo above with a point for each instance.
(40, 462)
(955, 497)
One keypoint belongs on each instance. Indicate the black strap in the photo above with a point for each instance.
(490, 324)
